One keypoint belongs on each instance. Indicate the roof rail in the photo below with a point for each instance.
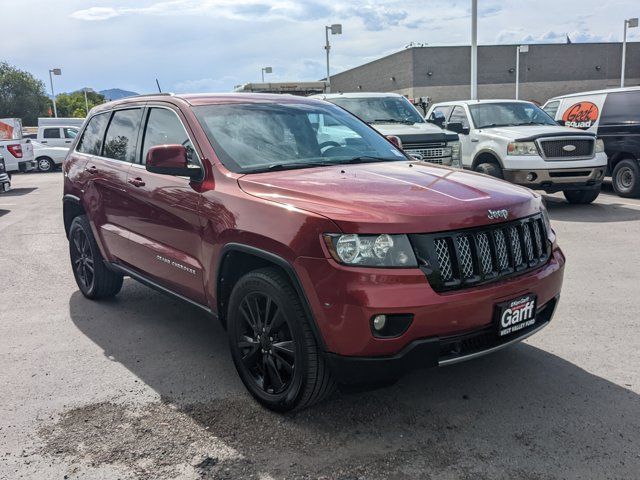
(163, 94)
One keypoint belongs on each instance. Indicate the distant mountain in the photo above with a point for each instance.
(116, 93)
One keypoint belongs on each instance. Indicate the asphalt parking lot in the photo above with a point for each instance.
(143, 386)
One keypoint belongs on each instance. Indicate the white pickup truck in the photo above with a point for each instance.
(521, 143)
(58, 132)
(16, 150)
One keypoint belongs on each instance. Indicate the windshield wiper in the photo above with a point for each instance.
(496, 125)
(289, 166)
(392, 120)
(368, 159)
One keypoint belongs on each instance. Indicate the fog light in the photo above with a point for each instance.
(531, 176)
(379, 321)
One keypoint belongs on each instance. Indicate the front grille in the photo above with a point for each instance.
(464, 258)
(434, 152)
(555, 149)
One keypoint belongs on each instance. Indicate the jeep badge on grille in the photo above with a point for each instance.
(493, 214)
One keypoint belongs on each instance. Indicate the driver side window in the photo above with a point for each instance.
(165, 128)
(458, 115)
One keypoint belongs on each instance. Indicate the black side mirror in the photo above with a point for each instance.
(458, 128)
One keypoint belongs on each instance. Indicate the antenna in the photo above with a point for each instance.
(158, 83)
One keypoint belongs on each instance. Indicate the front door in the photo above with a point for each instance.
(164, 224)
(467, 142)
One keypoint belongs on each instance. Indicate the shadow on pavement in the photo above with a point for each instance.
(18, 192)
(520, 413)
(559, 209)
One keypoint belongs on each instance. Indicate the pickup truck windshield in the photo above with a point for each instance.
(508, 114)
(380, 109)
(258, 137)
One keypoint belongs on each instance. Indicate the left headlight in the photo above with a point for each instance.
(522, 148)
(599, 145)
(371, 250)
(455, 154)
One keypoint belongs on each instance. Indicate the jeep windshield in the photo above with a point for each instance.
(259, 137)
(508, 114)
(380, 109)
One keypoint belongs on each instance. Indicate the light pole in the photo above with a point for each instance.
(629, 23)
(474, 49)
(519, 49)
(266, 70)
(335, 29)
(54, 71)
(86, 102)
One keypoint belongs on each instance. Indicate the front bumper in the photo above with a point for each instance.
(557, 179)
(27, 165)
(431, 352)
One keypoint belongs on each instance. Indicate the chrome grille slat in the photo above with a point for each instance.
(459, 259)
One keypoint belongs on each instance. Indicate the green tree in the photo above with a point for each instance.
(21, 95)
(73, 105)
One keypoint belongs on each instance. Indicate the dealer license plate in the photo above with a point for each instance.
(515, 315)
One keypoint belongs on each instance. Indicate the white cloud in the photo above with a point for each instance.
(94, 14)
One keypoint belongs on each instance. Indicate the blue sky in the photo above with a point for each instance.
(212, 45)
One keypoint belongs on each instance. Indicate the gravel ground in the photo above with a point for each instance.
(143, 386)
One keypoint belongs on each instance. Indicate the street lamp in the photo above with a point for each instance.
(266, 70)
(335, 29)
(86, 102)
(629, 23)
(519, 49)
(474, 49)
(54, 71)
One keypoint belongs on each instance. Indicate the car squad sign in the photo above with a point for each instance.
(581, 115)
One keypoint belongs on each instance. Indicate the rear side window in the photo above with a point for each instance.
(122, 135)
(91, 141)
(70, 132)
(620, 108)
(552, 108)
(51, 133)
(165, 128)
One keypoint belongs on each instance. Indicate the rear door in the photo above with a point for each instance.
(619, 125)
(105, 192)
(68, 135)
(51, 137)
(164, 225)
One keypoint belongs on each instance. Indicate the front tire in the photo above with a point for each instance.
(491, 169)
(272, 344)
(93, 277)
(581, 197)
(45, 164)
(626, 178)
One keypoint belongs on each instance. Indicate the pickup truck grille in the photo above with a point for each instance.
(567, 149)
(464, 258)
(435, 152)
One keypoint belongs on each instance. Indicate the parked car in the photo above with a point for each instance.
(48, 158)
(5, 181)
(519, 142)
(614, 115)
(16, 150)
(57, 136)
(394, 116)
(327, 264)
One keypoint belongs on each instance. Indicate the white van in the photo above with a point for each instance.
(517, 141)
(614, 116)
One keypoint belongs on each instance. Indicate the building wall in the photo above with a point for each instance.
(442, 73)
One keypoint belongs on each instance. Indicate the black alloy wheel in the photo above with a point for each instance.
(82, 259)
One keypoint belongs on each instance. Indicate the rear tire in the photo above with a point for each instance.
(626, 178)
(93, 277)
(272, 344)
(581, 197)
(45, 164)
(491, 169)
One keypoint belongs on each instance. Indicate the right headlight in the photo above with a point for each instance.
(522, 148)
(456, 151)
(371, 250)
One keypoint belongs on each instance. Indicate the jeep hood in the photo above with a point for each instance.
(394, 197)
(533, 131)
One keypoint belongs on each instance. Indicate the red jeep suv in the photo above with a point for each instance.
(329, 255)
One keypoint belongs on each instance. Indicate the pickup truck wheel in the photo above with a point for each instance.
(581, 196)
(489, 168)
(626, 178)
(45, 164)
(93, 277)
(272, 344)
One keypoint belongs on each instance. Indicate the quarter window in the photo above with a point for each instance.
(621, 108)
(122, 134)
(91, 140)
(51, 133)
(165, 128)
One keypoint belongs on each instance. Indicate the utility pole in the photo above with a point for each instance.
(335, 29)
(474, 49)
(630, 23)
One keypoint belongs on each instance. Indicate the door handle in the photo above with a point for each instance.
(67, 141)
(474, 140)
(44, 141)
(136, 182)
(92, 169)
